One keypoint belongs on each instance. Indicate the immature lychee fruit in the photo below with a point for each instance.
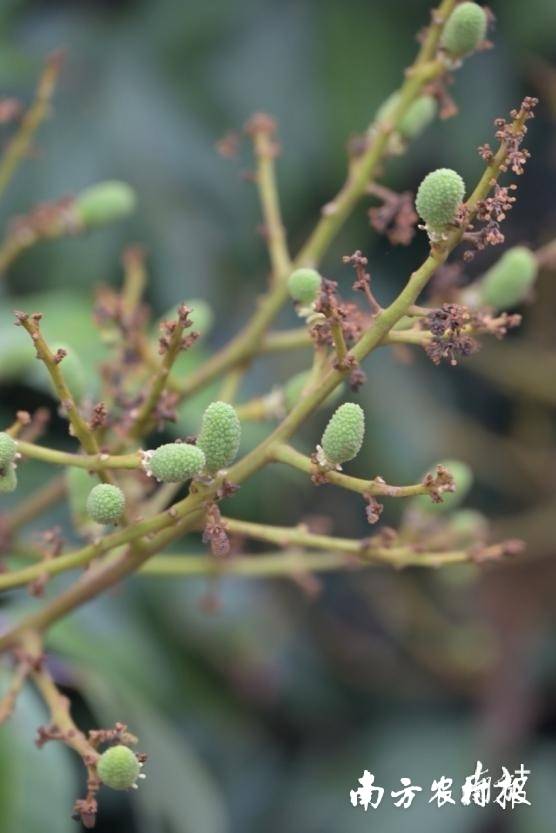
(220, 435)
(509, 281)
(118, 767)
(105, 503)
(343, 436)
(174, 462)
(464, 30)
(8, 449)
(439, 195)
(104, 203)
(304, 285)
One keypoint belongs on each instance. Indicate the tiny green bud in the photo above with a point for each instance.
(509, 281)
(418, 116)
(118, 767)
(174, 462)
(105, 503)
(438, 197)
(104, 203)
(8, 480)
(465, 29)
(343, 436)
(8, 449)
(463, 480)
(295, 387)
(219, 436)
(304, 285)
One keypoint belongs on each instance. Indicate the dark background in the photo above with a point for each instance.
(262, 714)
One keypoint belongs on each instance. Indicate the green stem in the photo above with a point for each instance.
(37, 112)
(283, 453)
(91, 462)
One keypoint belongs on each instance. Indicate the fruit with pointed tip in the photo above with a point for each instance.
(220, 435)
(343, 436)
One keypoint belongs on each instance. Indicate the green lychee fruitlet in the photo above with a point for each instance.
(509, 281)
(464, 30)
(175, 462)
(219, 436)
(343, 436)
(8, 480)
(105, 503)
(304, 285)
(418, 116)
(8, 449)
(118, 767)
(104, 203)
(439, 195)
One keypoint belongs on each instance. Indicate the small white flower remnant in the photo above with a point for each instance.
(406, 795)
(476, 788)
(512, 787)
(363, 795)
(441, 790)
(141, 775)
(145, 460)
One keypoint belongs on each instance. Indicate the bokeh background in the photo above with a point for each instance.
(261, 710)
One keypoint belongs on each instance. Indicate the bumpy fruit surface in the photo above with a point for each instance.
(419, 115)
(294, 388)
(220, 435)
(465, 29)
(118, 768)
(104, 203)
(438, 197)
(463, 479)
(304, 285)
(8, 449)
(8, 480)
(343, 436)
(176, 462)
(105, 503)
(509, 281)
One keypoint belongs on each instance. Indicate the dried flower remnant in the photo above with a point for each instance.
(396, 217)
(450, 340)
